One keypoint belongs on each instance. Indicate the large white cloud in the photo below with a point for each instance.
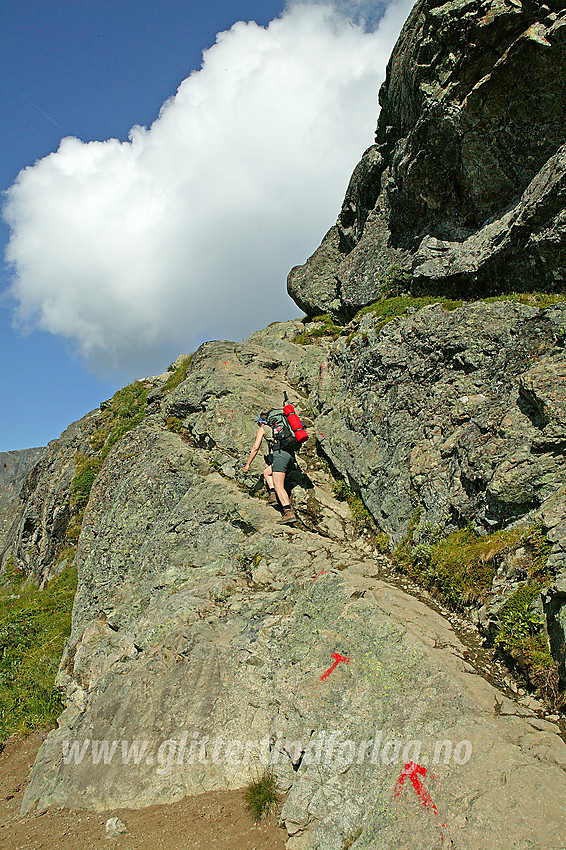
(138, 250)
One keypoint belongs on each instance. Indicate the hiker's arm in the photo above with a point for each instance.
(255, 448)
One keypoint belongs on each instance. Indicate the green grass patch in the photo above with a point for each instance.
(521, 626)
(523, 639)
(34, 627)
(461, 566)
(396, 301)
(534, 299)
(124, 411)
(327, 328)
(262, 795)
(387, 309)
(178, 375)
(538, 551)
(86, 470)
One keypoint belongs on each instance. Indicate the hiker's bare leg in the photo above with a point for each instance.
(279, 484)
(268, 476)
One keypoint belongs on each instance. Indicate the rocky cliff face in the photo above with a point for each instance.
(461, 413)
(464, 189)
(455, 417)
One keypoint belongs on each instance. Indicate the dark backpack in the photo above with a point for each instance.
(282, 431)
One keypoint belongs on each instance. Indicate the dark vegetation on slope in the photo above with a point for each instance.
(34, 627)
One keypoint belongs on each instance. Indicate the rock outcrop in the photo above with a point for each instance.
(464, 190)
(461, 413)
(202, 631)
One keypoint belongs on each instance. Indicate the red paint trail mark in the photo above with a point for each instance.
(232, 412)
(322, 435)
(225, 362)
(414, 772)
(321, 573)
(338, 658)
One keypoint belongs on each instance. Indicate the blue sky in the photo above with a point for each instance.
(92, 70)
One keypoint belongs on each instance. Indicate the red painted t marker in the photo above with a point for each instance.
(338, 658)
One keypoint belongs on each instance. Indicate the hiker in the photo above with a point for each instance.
(282, 460)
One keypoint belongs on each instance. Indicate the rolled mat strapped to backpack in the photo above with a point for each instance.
(298, 430)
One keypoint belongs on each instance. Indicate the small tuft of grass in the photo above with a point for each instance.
(381, 543)
(174, 424)
(262, 795)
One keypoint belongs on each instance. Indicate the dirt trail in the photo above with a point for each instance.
(214, 820)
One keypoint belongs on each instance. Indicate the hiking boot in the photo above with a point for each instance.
(272, 499)
(288, 516)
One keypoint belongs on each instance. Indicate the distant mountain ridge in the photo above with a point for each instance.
(14, 467)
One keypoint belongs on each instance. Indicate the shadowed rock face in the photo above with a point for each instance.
(464, 190)
(461, 413)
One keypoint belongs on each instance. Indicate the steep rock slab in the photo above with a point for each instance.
(464, 190)
(170, 545)
(406, 689)
(200, 625)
